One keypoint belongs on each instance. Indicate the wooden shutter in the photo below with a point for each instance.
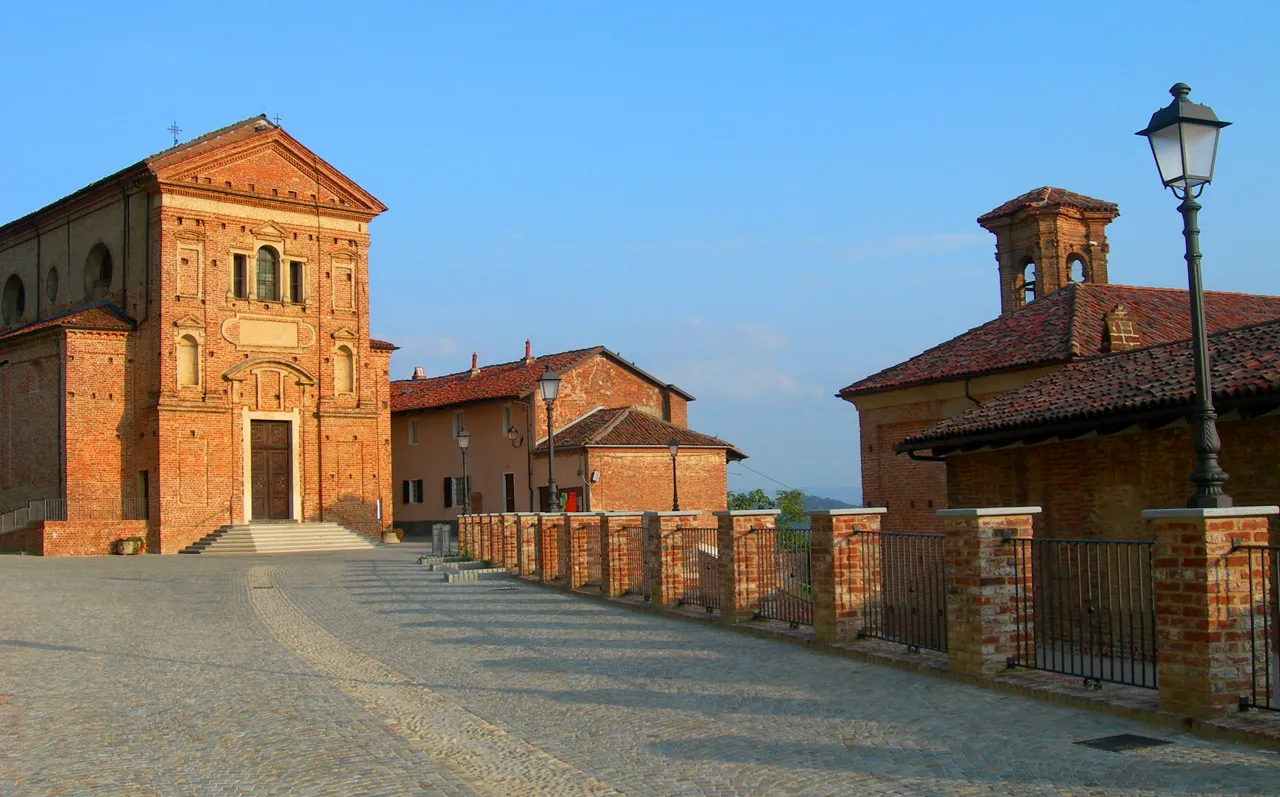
(448, 491)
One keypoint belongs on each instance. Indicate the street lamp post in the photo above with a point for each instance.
(1184, 141)
(674, 448)
(464, 440)
(549, 383)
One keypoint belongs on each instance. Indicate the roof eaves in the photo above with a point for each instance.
(542, 440)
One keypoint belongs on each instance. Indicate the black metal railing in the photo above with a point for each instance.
(1260, 562)
(783, 589)
(1086, 608)
(635, 570)
(904, 583)
(698, 560)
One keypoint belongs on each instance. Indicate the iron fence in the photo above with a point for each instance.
(125, 508)
(636, 568)
(1086, 608)
(782, 589)
(904, 582)
(1264, 609)
(699, 565)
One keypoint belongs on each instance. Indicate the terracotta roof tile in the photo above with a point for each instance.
(382, 345)
(1245, 365)
(505, 380)
(1045, 196)
(1064, 326)
(630, 427)
(103, 315)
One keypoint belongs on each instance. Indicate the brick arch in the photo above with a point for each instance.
(242, 370)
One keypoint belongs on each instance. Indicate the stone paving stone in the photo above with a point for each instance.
(350, 675)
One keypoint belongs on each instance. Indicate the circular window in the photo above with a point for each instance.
(97, 272)
(14, 301)
(51, 285)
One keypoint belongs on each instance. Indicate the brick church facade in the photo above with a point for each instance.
(185, 345)
(1057, 309)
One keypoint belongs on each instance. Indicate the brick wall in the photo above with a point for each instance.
(640, 479)
(72, 538)
(1099, 487)
(599, 382)
(30, 459)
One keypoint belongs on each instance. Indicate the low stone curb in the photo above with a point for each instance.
(477, 574)
(1204, 728)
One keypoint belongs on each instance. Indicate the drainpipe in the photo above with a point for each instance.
(528, 447)
(146, 265)
(966, 392)
(124, 248)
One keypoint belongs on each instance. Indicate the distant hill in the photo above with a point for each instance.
(818, 502)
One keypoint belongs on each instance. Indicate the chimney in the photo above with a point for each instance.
(418, 373)
(1121, 333)
(475, 369)
(528, 352)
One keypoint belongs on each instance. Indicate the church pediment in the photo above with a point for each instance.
(269, 232)
(189, 322)
(273, 165)
(344, 333)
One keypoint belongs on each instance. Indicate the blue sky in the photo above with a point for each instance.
(761, 202)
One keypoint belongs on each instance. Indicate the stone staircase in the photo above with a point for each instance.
(280, 537)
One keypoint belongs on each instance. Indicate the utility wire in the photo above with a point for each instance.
(758, 473)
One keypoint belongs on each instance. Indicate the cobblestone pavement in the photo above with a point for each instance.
(361, 673)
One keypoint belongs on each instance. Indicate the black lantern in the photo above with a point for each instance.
(1184, 141)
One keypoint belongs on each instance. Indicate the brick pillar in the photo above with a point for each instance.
(473, 536)
(836, 570)
(574, 556)
(982, 585)
(615, 564)
(526, 543)
(1203, 611)
(550, 526)
(465, 545)
(740, 561)
(663, 553)
(492, 542)
(507, 522)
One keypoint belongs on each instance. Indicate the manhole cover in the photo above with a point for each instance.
(1124, 741)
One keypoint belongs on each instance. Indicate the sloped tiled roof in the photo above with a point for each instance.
(1245, 365)
(103, 315)
(630, 427)
(503, 381)
(1066, 325)
(1049, 196)
(381, 345)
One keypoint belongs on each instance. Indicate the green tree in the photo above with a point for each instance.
(756, 499)
(791, 502)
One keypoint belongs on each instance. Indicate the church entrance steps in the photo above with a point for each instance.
(280, 538)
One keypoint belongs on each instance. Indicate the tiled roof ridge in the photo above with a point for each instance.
(466, 371)
(212, 134)
(61, 318)
(612, 424)
(589, 413)
(953, 430)
(1048, 195)
(998, 319)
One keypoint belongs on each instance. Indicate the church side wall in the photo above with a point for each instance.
(30, 422)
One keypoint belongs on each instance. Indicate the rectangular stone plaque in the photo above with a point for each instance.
(255, 332)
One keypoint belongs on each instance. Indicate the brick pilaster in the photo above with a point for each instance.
(982, 585)
(526, 539)
(836, 570)
(663, 553)
(1203, 608)
(740, 561)
(550, 527)
(615, 564)
(574, 556)
(507, 522)
(465, 545)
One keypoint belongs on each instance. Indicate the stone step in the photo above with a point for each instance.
(480, 574)
(247, 538)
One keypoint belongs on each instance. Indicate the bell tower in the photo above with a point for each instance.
(1045, 240)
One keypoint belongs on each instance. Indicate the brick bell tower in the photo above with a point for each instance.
(1045, 240)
